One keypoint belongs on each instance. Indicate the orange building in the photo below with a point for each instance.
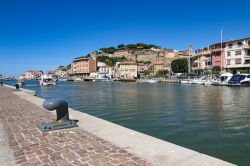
(83, 66)
(218, 56)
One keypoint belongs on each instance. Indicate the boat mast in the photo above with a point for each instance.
(189, 55)
(221, 51)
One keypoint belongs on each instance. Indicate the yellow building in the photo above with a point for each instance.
(128, 70)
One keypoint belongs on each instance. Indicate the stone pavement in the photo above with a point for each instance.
(65, 147)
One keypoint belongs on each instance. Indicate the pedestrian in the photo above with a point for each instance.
(17, 87)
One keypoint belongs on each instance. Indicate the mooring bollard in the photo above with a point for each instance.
(62, 113)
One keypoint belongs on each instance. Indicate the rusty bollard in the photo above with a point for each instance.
(62, 121)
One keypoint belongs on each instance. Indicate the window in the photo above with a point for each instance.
(238, 52)
(248, 42)
(208, 63)
(239, 44)
(248, 52)
(247, 61)
(230, 45)
(228, 53)
(228, 62)
(237, 61)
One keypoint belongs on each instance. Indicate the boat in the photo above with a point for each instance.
(187, 81)
(224, 78)
(62, 79)
(96, 77)
(239, 80)
(77, 79)
(152, 81)
(148, 81)
(46, 80)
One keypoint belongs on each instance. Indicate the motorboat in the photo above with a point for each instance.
(148, 81)
(46, 80)
(62, 79)
(96, 77)
(77, 79)
(239, 80)
(152, 81)
(224, 78)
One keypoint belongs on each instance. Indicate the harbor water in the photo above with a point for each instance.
(209, 119)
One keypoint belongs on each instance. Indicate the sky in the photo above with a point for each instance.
(44, 34)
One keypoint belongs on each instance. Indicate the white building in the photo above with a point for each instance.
(61, 73)
(237, 55)
(105, 71)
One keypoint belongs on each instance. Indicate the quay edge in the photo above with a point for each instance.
(155, 151)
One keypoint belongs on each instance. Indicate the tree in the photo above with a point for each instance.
(121, 46)
(109, 50)
(161, 73)
(110, 61)
(179, 65)
(131, 46)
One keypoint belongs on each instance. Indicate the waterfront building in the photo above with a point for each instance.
(60, 73)
(69, 70)
(218, 56)
(237, 55)
(157, 66)
(201, 60)
(142, 68)
(127, 70)
(105, 72)
(31, 74)
(83, 66)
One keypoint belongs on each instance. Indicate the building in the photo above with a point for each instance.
(157, 66)
(127, 70)
(83, 66)
(218, 56)
(201, 60)
(61, 73)
(106, 72)
(237, 55)
(31, 74)
(142, 69)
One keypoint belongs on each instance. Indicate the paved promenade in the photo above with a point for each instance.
(65, 147)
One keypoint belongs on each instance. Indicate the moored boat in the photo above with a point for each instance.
(46, 80)
(239, 80)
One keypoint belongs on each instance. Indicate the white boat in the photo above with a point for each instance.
(62, 79)
(187, 81)
(77, 79)
(46, 80)
(96, 77)
(225, 78)
(147, 81)
(152, 81)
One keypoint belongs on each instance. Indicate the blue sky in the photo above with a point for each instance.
(43, 34)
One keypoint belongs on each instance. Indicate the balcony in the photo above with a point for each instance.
(247, 56)
(246, 46)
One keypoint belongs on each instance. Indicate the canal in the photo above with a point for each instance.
(208, 119)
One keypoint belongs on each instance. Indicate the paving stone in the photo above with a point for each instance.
(62, 147)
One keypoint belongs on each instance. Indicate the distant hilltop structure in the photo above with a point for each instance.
(140, 52)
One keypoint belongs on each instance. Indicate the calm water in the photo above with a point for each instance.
(212, 120)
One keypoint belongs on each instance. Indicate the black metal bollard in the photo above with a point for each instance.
(62, 120)
(61, 107)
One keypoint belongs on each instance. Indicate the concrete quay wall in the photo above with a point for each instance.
(155, 151)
